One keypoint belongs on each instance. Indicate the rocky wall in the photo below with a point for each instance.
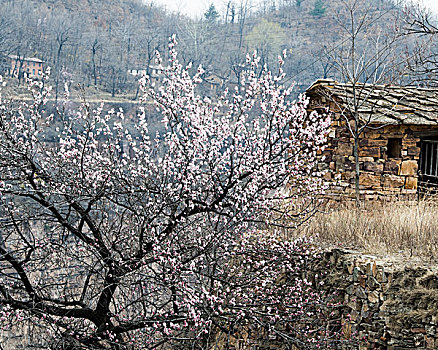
(375, 303)
(386, 303)
(382, 174)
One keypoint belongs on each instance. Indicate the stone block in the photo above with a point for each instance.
(392, 167)
(346, 330)
(418, 330)
(368, 180)
(393, 181)
(349, 165)
(344, 148)
(347, 175)
(373, 167)
(411, 183)
(372, 135)
(360, 293)
(363, 142)
(389, 279)
(370, 197)
(369, 152)
(356, 274)
(363, 281)
(377, 142)
(354, 316)
(409, 193)
(381, 276)
(340, 167)
(373, 297)
(394, 130)
(372, 283)
(414, 151)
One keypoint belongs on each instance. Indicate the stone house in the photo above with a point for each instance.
(398, 148)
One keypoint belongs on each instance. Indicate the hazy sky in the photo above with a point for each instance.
(432, 4)
(196, 8)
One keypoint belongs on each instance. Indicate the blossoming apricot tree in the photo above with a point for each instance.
(161, 245)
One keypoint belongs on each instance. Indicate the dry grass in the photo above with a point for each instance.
(408, 229)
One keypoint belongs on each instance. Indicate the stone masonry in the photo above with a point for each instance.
(397, 119)
(381, 176)
(386, 304)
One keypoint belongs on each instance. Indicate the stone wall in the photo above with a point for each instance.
(377, 303)
(382, 175)
(387, 304)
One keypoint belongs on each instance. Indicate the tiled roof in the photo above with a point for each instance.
(381, 104)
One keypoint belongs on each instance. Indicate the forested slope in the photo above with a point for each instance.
(96, 42)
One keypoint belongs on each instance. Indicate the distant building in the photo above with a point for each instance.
(214, 81)
(32, 66)
(154, 71)
(211, 80)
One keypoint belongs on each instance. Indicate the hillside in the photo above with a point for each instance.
(96, 42)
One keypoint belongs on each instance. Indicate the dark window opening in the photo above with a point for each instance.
(394, 148)
(428, 167)
(429, 158)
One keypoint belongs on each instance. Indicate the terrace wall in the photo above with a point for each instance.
(387, 303)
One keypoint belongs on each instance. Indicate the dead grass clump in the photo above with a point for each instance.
(380, 228)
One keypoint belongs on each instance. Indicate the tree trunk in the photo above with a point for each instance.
(357, 169)
(94, 62)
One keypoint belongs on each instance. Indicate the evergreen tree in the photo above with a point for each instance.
(211, 15)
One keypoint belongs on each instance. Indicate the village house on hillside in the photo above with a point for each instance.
(398, 150)
(32, 66)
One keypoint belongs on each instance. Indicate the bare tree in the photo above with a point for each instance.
(368, 54)
(61, 27)
(423, 60)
